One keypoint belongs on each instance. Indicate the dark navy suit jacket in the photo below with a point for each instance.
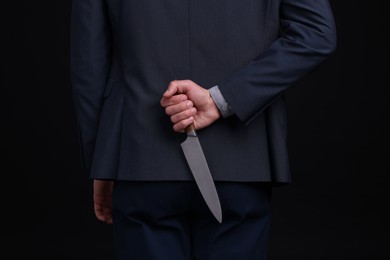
(125, 52)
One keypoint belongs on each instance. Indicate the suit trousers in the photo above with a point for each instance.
(158, 220)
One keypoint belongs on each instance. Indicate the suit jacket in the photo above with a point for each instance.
(125, 52)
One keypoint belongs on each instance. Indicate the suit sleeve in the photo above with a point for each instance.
(90, 59)
(307, 37)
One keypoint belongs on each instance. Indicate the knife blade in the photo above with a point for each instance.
(196, 160)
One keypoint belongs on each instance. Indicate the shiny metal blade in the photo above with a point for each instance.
(200, 170)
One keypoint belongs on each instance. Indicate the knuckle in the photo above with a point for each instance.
(170, 111)
(189, 112)
(189, 104)
(179, 98)
(174, 119)
(173, 82)
(175, 99)
(176, 128)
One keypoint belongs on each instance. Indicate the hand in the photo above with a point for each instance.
(186, 103)
(102, 197)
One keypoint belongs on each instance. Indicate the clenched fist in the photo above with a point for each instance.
(186, 102)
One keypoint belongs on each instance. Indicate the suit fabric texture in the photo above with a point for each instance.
(124, 53)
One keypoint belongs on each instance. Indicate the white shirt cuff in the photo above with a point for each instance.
(220, 101)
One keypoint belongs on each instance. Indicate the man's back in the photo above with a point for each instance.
(126, 52)
(135, 62)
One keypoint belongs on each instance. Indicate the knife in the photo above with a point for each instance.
(200, 170)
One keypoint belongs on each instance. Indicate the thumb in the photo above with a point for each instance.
(178, 87)
(171, 90)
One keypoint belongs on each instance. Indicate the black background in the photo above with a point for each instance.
(338, 140)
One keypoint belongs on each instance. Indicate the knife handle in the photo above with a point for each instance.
(190, 130)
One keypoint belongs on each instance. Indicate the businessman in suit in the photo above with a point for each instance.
(141, 68)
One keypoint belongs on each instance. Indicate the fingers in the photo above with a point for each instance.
(108, 215)
(181, 114)
(177, 105)
(176, 118)
(178, 108)
(99, 212)
(182, 125)
(103, 213)
(102, 197)
(176, 99)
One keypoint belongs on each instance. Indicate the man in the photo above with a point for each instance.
(221, 66)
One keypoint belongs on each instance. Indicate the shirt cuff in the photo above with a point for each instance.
(220, 101)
